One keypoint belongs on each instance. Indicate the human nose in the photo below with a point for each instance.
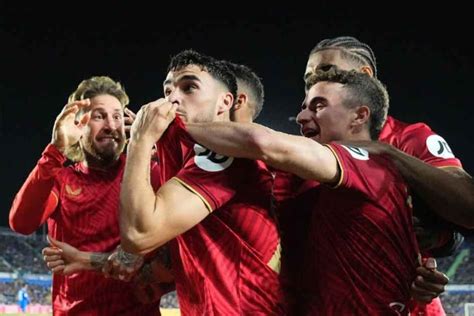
(303, 117)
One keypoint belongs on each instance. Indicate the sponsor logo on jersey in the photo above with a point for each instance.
(209, 160)
(357, 153)
(438, 147)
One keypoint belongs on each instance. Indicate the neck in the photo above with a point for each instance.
(223, 117)
(359, 135)
(242, 117)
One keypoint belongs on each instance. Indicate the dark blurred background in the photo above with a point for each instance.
(424, 59)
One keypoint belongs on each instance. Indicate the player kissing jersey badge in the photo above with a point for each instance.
(209, 160)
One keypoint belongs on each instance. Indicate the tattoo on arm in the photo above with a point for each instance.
(98, 260)
(129, 260)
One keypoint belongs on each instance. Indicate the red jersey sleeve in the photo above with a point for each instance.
(367, 174)
(214, 178)
(37, 198)
(420, 141)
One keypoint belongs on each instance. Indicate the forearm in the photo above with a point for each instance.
(97, 260)
(229, 139)
(35, 201)
(89, 261)
(301, 156)
(450, 196)
(137, 198)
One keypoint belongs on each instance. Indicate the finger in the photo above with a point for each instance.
(422, 295)
(172, 112)
(128, 120)
(58, 269)
(433, 276)
(56, 263)
(84, 120)
(81, 104)
(78, 104)
(430, 263)
(130, 114)
(161, 106)
(50, 258)
(68, 114)
(50, 251)
(55, 243)
(429, 287)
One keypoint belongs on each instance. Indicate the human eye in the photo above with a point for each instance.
(189, 87)
(97, 116)
(167, 91)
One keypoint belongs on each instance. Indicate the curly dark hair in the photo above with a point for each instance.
(362, 90)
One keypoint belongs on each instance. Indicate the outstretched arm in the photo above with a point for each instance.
(448, 191)
(62, 258)
(296, 154)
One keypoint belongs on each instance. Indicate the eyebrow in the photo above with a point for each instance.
(183, 78)
(103, 109)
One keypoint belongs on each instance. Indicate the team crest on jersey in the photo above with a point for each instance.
(439, 147)
(357, 153)
(209, 160)
(73, 192)
(397, 307)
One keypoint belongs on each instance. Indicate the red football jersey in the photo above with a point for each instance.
(420, 141)
(81, 207)
(228, 263)
(362, 252)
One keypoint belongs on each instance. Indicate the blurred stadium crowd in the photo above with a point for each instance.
(21, 262)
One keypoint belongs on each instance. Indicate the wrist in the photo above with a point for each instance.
(140, 144)
(94, 260)
(59, 146)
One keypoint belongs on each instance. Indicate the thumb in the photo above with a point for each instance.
(55, 243)
(172, 112)
(430, 263)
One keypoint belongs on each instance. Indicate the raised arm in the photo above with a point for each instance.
(296, 154)
(148, 219)
(36, 200)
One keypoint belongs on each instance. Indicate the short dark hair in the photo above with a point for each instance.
(351, 48)
(252, 81)
(362, 90)
(216, 69)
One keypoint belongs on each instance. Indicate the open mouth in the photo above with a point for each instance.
(310, 132)
(107, 139)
